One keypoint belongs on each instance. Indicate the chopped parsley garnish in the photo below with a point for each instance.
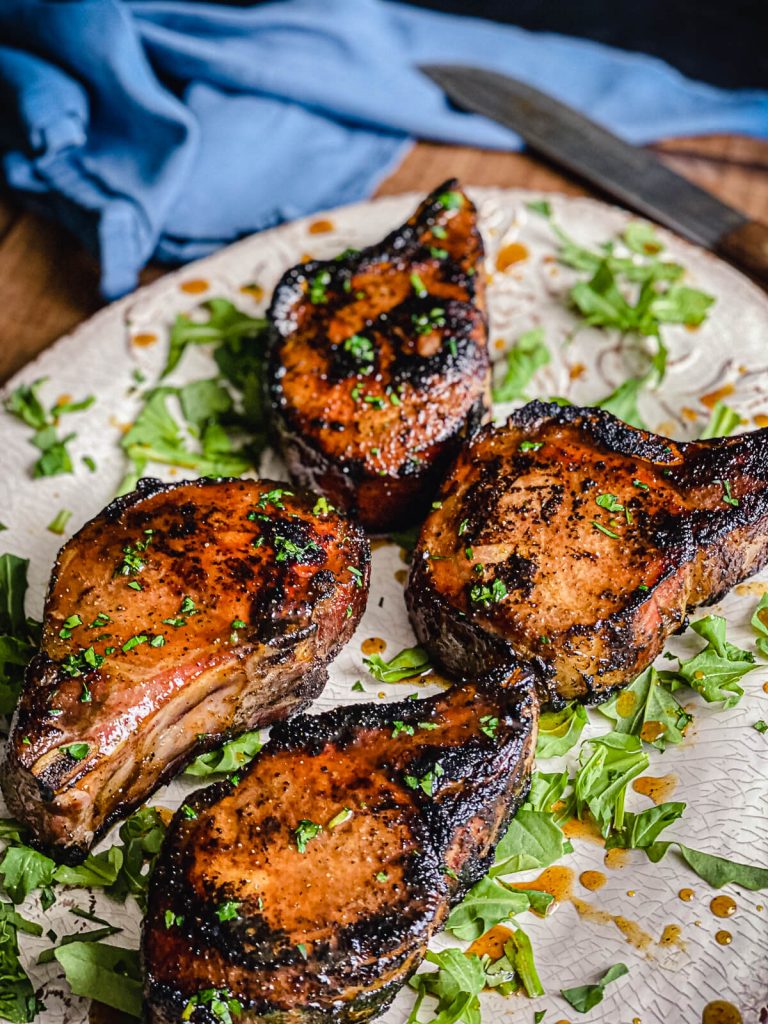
(439, 231)
(59, 522)
(339, 819)
(728, 498)
(605, 530)
(220, 1003)
(357, 575)
(188, 606)
(376, 401)
(317, 288)
(489, 724)
(305, 832)
(438, 254)
(75, 665)
(188, 812)
(381, 876)
(357, 687)
(761, 726)
(640, 485)
(424, 323)
(402, 728)
(609, 502)
(157, 641)
(25, 404)
(486, 595)
(273, 498)
(450, 201)
(288, 550)
(425, 782)
(228, 911)
(530, 446)
(361, 349)
(133, 562)
(77, 751)
(172, 919)
(322, 507)
(134, 641)
(418, 285)
(70, 623)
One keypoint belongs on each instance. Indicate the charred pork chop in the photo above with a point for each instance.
(180, 615)
(379, 363)
(309, 889)
(578, 543)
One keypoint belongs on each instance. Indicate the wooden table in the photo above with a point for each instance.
(49, 284)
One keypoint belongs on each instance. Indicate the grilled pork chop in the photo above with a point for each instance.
(308, 889)
(578, 543)
(180, 615)
(379, 363)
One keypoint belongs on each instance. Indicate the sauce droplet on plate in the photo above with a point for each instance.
(723, 938)
(510, 254)
(671, 935)
(492, 943)
(402, 576)
(720, 1012)
(686, 895)
(373, 645)
(617, 858)
(194, 286)
(592, 880)
(651, 731)
(143, 340)
(723, 906)
(321, 227)
(713, 397)
(656, 788)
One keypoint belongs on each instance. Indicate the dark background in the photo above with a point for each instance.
(720, 41)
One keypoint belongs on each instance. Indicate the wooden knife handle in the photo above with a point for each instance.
(747, 247)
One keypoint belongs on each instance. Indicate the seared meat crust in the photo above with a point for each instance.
(178, 617)
(379, 366)
(577, 543)
(411, 796)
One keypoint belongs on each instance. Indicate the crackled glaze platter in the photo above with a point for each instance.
(676, 965)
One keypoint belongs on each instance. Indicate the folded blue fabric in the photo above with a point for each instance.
(167, 129)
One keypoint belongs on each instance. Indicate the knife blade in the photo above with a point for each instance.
(631, 174)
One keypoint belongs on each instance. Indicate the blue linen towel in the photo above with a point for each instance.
(167, 128)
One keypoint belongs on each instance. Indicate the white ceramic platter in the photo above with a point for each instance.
(719, 769)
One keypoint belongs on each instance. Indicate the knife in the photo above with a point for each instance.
(632, 174)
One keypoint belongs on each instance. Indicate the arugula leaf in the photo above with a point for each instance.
(641, 237)
(24, 870)
(96, 935)
(487, 904)
(759, 623)
(601, 782)
(722, 421)
(519, 952)
(640, 831)
(21, 924)
(715, 671)
(410, 662)
(155, 436)
(214, 410)
(26, 405)
(108, 974)
(533, 840)
(456, 985)
(585, 997)
(716, 871)
(18, 1002)
(560, 730)
(647, 709)
(19, 636)
(97, 870)
(623, 402)
(546, 789)
(227, 758)
(225, 322)
(527, 355)
(142, 836)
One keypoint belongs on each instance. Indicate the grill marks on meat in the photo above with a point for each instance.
(250, 592)
(411, 796)
(379, 363)
(586, 595)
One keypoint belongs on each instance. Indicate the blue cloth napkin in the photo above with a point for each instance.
(167, 128)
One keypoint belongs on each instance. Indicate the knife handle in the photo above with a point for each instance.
(747, 247)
